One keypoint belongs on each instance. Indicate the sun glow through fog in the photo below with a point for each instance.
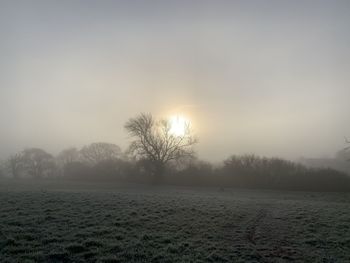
(178, 125)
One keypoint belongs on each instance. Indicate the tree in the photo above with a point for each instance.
(15, 164)
(37, 163)
(347, 148)
(67, 156)
(100, 152)
(154, 142)
(2, 168)
(344, 154)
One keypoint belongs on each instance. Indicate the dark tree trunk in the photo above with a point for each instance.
(158, 172)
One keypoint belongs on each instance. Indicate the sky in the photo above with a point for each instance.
(264, 77)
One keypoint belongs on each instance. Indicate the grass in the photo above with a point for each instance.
(154, 224)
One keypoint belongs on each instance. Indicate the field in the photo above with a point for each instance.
(56, 223)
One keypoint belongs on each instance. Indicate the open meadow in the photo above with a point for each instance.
(45, 222)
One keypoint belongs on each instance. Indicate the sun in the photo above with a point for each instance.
(178, 125)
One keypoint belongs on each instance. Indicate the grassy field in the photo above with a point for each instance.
(47, 223)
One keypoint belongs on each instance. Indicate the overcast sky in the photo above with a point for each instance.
(264, 77)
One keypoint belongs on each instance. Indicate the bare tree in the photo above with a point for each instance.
(15, 164)
(99, 152)
(154, 142)
(37, 163)
(347, 141)
(346, 149)
(68, 156)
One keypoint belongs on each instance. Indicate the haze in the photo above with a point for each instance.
(264, 77)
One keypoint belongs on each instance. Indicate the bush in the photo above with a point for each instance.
(274, 173)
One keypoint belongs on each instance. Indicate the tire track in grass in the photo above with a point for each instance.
(251, 233)
(268, 237)
(253, 225)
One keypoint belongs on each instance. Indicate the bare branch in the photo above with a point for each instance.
(154, 142)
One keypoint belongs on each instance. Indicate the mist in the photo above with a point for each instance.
(267, 78)
(174, 131)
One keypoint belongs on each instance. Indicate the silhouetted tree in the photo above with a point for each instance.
(100, 152)
(2, 169)
(15, 164)
(68, 156)
(346, 149)
(154, 142)
(77, 171)
(65, 158)
(344, 154)
(37, 163)
(195, 172)
(257, 172)
(111, 169)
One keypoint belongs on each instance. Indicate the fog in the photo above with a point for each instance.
(174, 131)
(263, 77)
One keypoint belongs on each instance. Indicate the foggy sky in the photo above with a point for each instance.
(264, 77)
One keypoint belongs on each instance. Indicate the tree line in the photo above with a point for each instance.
(157, 156)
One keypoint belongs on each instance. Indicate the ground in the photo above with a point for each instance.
(47, 223)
